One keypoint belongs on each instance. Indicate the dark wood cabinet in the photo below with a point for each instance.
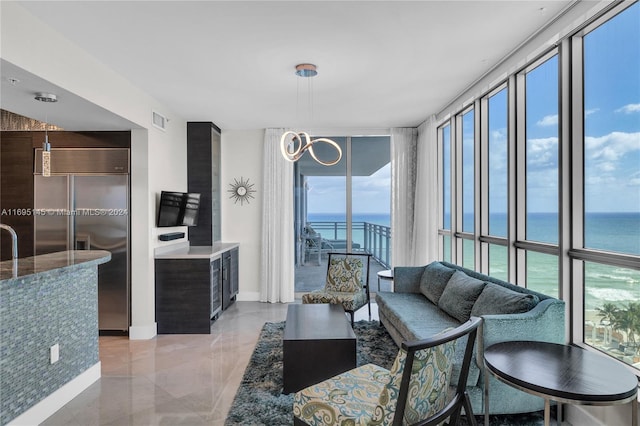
(184, 295)
(226, 280)
(235, 259)
(216, 288)
(191, 292)
(229, 277)
(203, 177)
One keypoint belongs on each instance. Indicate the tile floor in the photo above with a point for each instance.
(174, 379)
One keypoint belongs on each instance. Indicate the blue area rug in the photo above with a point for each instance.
(259, 400)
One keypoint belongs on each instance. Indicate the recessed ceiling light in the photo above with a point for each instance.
(46, 97)
(13, 80)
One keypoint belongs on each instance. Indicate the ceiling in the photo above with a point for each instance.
(380, 64)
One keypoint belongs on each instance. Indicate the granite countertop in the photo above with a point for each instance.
(71, 259)
(185, 251)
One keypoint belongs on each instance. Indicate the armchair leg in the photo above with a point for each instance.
(352, 315)
(468, 411)
(298, 422)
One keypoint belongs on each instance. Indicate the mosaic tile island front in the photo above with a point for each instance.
(47, 301)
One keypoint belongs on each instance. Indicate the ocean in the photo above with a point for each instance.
(619, 232)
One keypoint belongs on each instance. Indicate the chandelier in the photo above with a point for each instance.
(293, 144)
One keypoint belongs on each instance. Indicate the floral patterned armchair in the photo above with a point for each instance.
(414, 391)
(347, 283)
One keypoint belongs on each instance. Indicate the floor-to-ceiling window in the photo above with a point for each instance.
(608, 261)
(444, 152)
(345, 207)
(538, 144)
(466, 126)
(558, 201)
(497, 187)
(371, 196)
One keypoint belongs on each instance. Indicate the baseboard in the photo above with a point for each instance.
(143, 332)
(248, 296)
(48, 406)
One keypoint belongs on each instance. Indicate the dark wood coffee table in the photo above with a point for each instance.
(566, 374)
(318, 344)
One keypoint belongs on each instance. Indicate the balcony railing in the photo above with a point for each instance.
(369, 237)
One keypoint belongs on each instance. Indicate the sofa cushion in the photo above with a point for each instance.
(496, 299)
(413, 315)
(415, 318)
(434, 280)
(459, 295)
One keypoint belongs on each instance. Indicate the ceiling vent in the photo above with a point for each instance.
(159, 120)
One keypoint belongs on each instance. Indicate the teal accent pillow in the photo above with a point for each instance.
(459, 295)
(496, 299)
(434, 279)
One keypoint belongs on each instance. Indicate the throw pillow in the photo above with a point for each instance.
(434, 280)
(496, 299)
(345, 275)
(459, 295)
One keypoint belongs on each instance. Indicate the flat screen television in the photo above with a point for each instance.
(178, 209)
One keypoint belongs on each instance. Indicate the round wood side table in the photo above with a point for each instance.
(562, 373)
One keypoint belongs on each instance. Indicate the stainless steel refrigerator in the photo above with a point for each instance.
(84, 205)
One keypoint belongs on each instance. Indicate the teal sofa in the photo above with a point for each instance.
(428, 299)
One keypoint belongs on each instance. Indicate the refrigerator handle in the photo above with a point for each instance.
(72, 237)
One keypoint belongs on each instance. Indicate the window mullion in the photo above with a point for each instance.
(511, 199)
(453, 153)
(520, 179)
(482, 120)
(349, 194)
(565, 132)
(576, 314)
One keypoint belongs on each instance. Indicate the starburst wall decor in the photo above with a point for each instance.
(241, 190)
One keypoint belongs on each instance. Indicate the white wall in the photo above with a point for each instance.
(242, 152)
(158, 158)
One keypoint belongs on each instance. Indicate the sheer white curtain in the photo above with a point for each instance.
(277, 249)
(403, 180)
(425, 224)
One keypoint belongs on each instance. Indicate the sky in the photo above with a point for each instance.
(371, 194)
(611, 127)
(611, 120)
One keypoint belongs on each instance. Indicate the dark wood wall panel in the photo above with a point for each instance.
(16, 192)
(84, 139)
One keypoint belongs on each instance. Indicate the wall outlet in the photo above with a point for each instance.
(54, 352)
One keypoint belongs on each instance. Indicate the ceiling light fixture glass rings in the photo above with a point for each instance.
(293, 147)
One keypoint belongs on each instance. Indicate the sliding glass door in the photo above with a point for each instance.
(342, 208)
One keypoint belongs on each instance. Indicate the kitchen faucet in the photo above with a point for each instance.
(14, 247)
(14, 240)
